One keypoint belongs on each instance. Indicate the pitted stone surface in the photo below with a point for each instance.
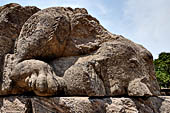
(12, 18)
(61, 51)
(66, 51)
(84, 105)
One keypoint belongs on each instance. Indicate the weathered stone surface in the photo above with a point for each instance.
(153, 104)
(66, 51)
(57, 32)
(15, 105)
(12, 18)
(85, 105)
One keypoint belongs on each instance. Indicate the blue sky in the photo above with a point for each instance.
(146, 22)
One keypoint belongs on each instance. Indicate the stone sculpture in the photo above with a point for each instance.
(66, 53)
(12, 18)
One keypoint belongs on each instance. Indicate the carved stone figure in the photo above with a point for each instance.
(12, 18)
(65, 51)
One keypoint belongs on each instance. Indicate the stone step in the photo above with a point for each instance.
(24, 104)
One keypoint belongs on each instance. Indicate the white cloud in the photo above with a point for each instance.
(150, 23)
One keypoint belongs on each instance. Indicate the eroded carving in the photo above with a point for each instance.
(66, 51)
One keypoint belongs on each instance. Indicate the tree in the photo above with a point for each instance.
(162, 68)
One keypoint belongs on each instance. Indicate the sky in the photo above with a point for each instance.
(146, 22)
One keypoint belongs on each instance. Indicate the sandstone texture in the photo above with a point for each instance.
(12, 18)
(66, 53)
(17, 104)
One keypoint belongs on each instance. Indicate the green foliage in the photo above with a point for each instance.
(162, 68)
